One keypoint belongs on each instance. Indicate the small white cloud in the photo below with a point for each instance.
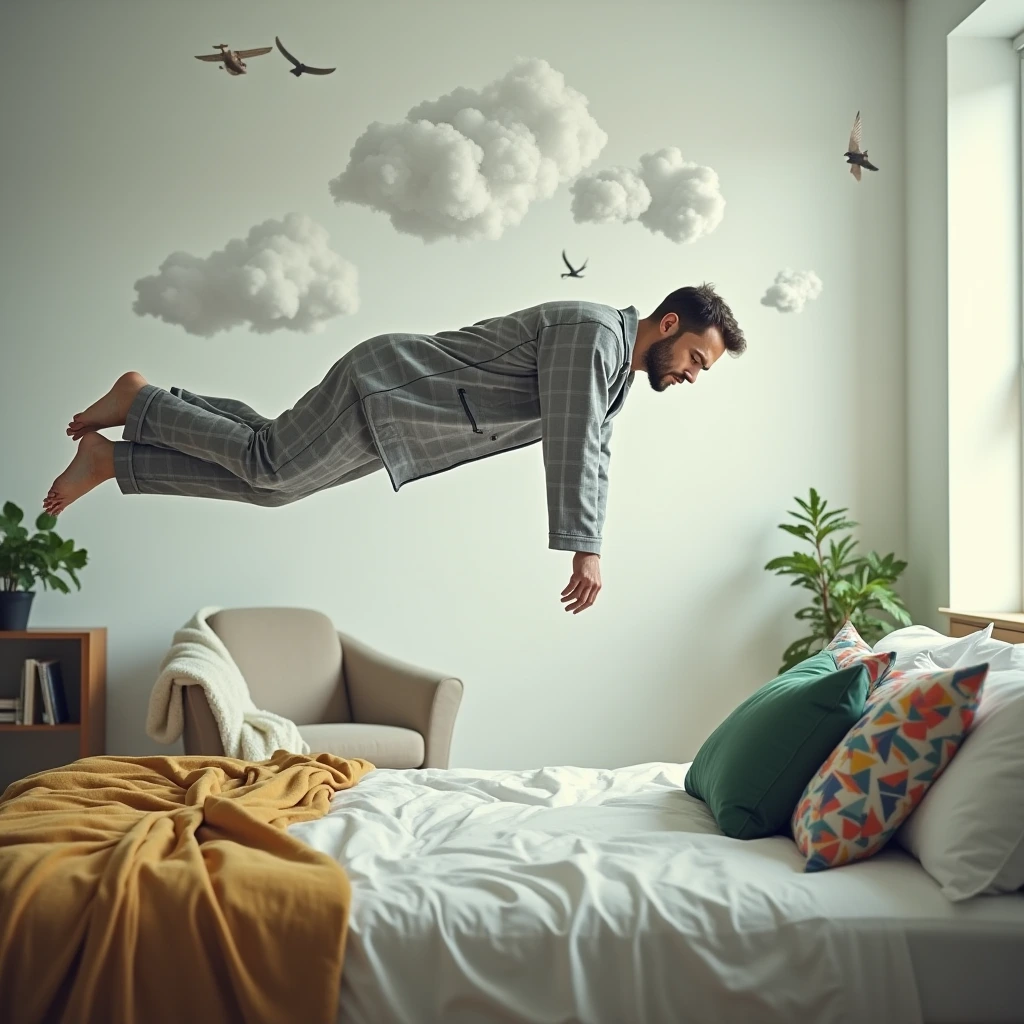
(686, 201)
(668, 194)
(468, 165)
(282, 276)
(792, 290)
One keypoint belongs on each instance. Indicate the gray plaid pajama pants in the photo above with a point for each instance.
(179, 443)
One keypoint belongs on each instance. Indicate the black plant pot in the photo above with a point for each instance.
(14, 608)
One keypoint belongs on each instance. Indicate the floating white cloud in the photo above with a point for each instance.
(282, 276)
(792, 290)
(677, 197)
(613, 195)
(468, 165)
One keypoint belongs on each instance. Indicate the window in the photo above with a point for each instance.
(986, 410)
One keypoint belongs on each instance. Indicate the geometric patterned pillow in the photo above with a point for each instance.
(849, 648)
(910, 729)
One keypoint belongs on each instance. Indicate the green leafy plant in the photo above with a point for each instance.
(26, 557)
(845, 586)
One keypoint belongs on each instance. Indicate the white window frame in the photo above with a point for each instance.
(1018, 45)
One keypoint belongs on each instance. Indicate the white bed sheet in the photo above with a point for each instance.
(569, 894)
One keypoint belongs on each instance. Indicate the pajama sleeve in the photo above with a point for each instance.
(576, 366)
(602, 477)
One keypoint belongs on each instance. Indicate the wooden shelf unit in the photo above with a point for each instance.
(26, 749)
(65, 726)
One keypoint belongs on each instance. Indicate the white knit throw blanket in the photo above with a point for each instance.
(198, 657)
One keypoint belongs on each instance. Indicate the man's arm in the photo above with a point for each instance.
(576, 365)
(585, 582)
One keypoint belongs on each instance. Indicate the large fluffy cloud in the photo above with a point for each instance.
(282, 276)
(792, 290)
(677, 197)
(469, 164)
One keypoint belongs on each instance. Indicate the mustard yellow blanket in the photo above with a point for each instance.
(142, 890)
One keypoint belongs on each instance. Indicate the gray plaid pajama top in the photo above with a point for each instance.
(557, 373)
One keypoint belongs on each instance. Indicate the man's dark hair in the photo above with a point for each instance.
(701, 308)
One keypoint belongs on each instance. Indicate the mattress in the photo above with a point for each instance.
(570, 894)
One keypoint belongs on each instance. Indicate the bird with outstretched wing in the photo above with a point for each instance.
(854, 157)
(574, 271)
(299, 67)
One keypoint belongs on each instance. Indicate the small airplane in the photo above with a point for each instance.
(301, 68)
(233, 61)
(574, 271)
(854, 157)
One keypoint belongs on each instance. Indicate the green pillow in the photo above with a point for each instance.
(753, 768)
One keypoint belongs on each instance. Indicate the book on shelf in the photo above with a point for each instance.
(29, 684)
(43, 697)
(51, 681)
(10, 710)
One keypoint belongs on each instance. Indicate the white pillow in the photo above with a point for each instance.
(911, 641)
(968, 831)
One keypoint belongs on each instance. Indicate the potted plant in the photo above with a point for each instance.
(845, 586)
(26, 558)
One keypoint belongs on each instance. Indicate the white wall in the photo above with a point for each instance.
(126, 148)
(984, 148)
(928, 22)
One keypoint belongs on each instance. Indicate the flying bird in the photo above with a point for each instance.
(301, 68)
(854, 157)
(233, 61)
(573, 271)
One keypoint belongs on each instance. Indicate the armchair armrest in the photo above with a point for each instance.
(200, 734)
(385, 691)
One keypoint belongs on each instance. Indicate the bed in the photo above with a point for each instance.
(570, 894)
(544, 896)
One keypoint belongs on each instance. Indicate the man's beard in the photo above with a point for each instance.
(658, 362)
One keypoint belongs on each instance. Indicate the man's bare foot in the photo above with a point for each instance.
(92, 464)
(111, 410)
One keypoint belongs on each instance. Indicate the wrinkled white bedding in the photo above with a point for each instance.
(569, 894)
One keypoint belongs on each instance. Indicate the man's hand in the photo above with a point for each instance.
(585, 582)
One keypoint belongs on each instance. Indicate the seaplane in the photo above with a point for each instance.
(233, 61)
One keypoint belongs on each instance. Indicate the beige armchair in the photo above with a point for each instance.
(346, 698)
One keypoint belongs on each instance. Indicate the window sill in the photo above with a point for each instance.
(1008, 626)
